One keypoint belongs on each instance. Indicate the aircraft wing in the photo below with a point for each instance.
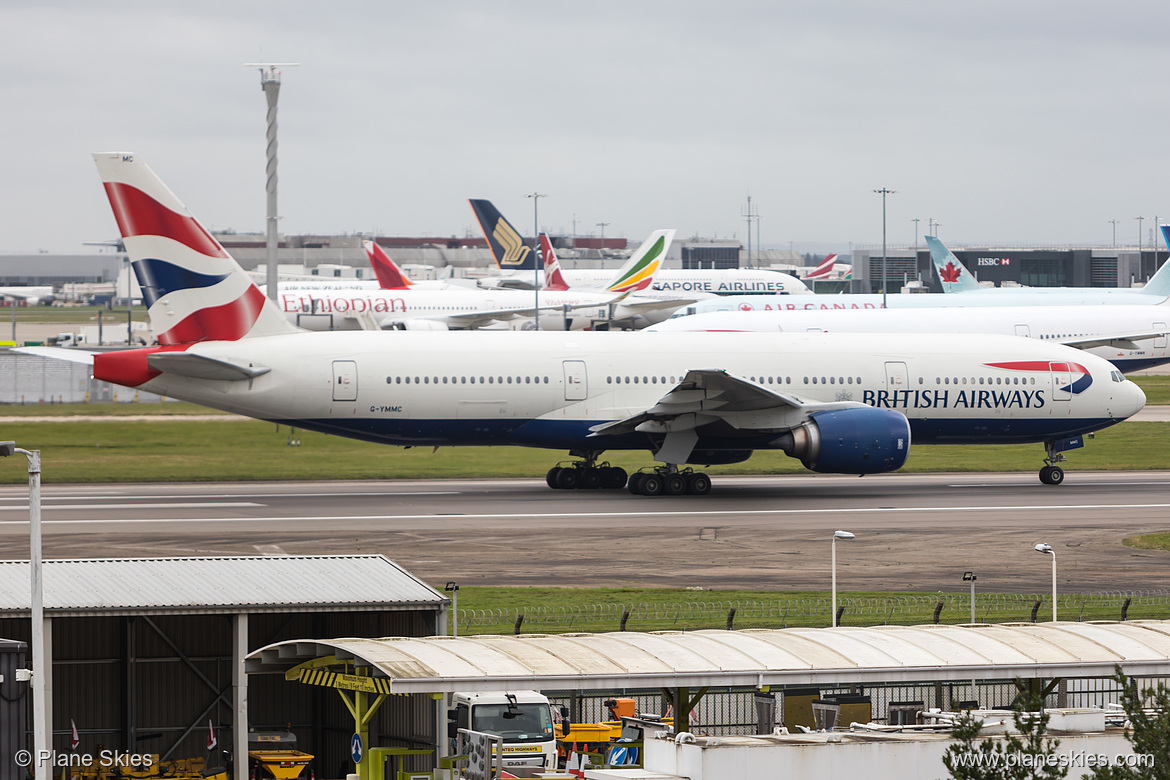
(711, 396)
(1117, 341)
(475, 319)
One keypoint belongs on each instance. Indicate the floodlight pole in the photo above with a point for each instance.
(536, 196)
(453, 588)
(1047, 550)
(41, 675)
(837, 535)
(884, 192)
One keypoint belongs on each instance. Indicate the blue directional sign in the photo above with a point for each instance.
(355, 748)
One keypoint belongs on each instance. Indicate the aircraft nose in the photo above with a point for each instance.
(1132, 400)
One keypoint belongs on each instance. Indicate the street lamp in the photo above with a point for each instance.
(884, 192)
(1047, 550)
(837, 535)
(969, 576)
(536, 196)
(40, 730)
(452, 587)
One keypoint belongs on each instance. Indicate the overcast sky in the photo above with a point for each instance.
(1022, 122)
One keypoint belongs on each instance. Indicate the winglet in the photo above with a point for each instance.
(952, 274)
(638, 272)
(507, 245)
(390, 276)
(554, 280)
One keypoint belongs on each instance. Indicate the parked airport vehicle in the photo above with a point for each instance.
(841, 403)
(524, 720)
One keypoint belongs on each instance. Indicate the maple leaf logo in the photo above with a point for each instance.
(745, 307)
(950, 272)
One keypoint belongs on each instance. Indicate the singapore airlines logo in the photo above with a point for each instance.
(515, 252)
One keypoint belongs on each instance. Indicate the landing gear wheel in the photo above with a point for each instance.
(590, 479)
(551, 477)
(636, 483)
(652, 484)
(1052, 475)
(698, 483)
(674, 484)
(566, 479)
(613, 478)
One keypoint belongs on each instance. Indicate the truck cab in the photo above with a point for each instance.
(523, 719)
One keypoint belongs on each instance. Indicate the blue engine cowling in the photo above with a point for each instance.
(851, 441)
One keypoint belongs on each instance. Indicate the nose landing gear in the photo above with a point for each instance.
(1052, 474)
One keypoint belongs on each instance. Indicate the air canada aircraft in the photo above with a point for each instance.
(848, 403)
(1133, 338)
(957, 280)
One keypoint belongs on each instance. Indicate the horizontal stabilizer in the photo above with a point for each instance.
(202, 367)
(59, 353)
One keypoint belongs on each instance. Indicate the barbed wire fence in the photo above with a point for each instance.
(944, 608)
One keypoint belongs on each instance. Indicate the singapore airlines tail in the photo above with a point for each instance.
(390, 276)
(952, 274)
(507, 245)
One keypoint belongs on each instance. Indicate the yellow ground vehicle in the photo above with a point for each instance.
(272, 755)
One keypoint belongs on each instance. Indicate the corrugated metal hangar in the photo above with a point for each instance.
(145, 652)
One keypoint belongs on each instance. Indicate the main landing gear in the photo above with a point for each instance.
(669, 481)
(1052, 474)
(586, 475)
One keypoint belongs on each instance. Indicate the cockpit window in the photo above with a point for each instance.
(1117, 376)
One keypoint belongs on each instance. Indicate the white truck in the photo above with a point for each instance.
(523, 719)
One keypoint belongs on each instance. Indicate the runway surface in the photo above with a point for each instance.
(914, 532)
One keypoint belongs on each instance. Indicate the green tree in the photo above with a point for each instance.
(1026, 755)
(1148, 732)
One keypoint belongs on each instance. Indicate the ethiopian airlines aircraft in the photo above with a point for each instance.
(409, 308)
(848, 403)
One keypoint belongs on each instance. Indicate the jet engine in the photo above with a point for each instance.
(850, 441)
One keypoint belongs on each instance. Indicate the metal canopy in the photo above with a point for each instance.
(217, 585)
(748, 658)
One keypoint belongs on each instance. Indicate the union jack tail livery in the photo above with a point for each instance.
(193, 288)
(553, 279)
(822, 271)
(638, 272)
(952, 274)
(390, 276)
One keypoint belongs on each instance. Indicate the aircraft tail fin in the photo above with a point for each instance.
(390, 276)
(554, 280)
(507, 245)
(824, 270)
(193, 289)
(638, 272)
(952, 274)
(1159, 283)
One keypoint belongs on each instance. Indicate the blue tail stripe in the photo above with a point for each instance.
(159, 278)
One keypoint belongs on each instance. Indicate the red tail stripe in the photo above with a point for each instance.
(228, 322)
(138, 214)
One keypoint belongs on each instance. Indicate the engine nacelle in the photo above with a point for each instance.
(414, 324)
(850, 441)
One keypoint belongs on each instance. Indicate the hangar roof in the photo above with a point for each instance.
(122, 586)
(748, 658)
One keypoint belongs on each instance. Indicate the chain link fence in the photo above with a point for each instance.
(946, 608)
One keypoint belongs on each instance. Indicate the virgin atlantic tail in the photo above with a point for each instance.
(193, 289)
(554, 280)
